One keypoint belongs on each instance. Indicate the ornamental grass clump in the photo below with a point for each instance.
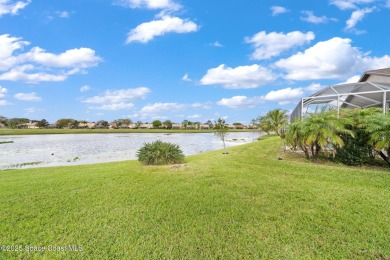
(160, 153)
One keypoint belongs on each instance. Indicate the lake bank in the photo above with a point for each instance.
(7, 131)
(27, 151)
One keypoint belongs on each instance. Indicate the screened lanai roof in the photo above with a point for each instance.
(350, 95)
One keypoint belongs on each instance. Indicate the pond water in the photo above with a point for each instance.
(26, 151)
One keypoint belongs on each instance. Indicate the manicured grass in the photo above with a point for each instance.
(8, 131)
(247, 204)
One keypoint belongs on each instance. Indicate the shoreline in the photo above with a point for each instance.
(110, 131)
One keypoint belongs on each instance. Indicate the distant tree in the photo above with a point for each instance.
(185, 123)
(156, 123)
(197, 124)
(43, 123)
(3, 119)
(138, 124)
(221, 131)
(64, 123)
(210, 124)
(168, 124)
(102, 124)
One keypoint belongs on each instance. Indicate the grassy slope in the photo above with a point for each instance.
(243, 205)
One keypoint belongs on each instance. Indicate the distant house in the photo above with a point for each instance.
(86, 125)
(2, 125)
(146, 126)
(231, 126)
(204, 126)
(176, 126)
(28, 126)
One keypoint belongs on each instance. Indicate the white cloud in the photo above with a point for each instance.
(32, 110)
(240, 102)
(388, 3)
(276, 10)
(353, 79)
(357, 16)
(157, 108)
(85, 88)
(63, 14)
(146, 32)
(150, 4)
(38, 65)
(216, 44)
(314, 87)
(12, 7)
(113, 107)
(4, 103)
(186, 77)
(195, 116)
(241, 77)
(349, 4)
(27, 97)
(3, 92)
(206, 105)
(117, 99)
(285, 94)
(311, 18)
(272, 44)
(118, 96)
(331, 59)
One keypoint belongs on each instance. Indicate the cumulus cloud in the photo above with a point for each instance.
(240, 102)
(150, 4)
(27, 97)
(276, 10)
(353, 79)
(349, 4)
(331, 59)
(272, 44)
(117, 99)
(242, 77)
(38, 65)
(357, 16)
(146, 32)
(285, 94)
(309, 16)
(157, 108)
(12, 7)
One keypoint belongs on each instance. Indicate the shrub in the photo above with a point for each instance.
(160, 153)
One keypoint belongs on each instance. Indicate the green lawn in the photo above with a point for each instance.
(247, 204)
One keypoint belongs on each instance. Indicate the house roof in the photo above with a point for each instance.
(350, 95)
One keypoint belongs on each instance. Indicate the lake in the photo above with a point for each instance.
(27, 151)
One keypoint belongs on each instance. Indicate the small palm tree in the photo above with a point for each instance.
(275, 120)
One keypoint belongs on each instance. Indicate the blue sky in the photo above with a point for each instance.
(180, 59)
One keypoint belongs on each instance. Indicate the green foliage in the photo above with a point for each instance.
(167, 124)
(274, 121)
(160, 153)
(317, 132)
(221, 130)
(65, 123)
(156, 123)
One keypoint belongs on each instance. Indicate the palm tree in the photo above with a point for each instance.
(378, 126)
(275, 120)
(316, 132)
